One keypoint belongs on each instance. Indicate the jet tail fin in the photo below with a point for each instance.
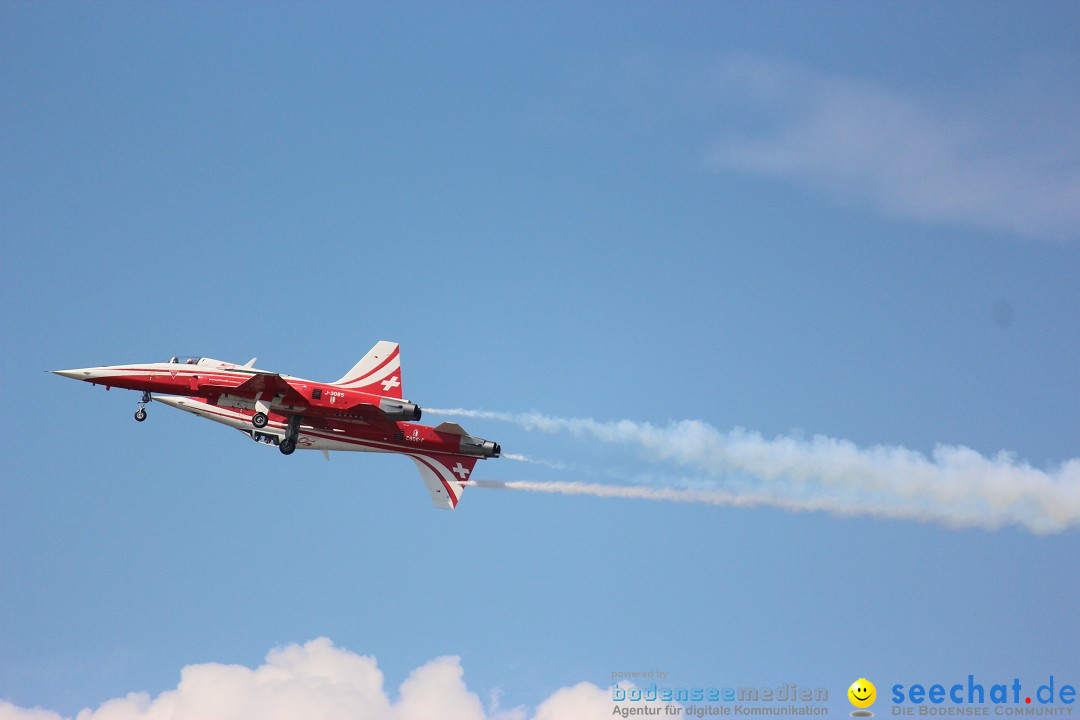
(445, 477)
(378, 372)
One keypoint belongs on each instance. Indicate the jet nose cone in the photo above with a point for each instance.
(89, 374)
(78, 374)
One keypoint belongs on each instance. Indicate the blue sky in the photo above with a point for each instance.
(850, 220)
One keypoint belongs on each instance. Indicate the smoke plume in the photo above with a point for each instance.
(955, 486)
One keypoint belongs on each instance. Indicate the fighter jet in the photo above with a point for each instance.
(363, 411)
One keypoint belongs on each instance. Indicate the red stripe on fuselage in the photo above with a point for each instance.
(393, 446)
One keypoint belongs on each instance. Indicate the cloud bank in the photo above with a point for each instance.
(318, 681)
(955, 487)
(1008, 163)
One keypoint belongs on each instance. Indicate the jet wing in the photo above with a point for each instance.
(445, 476)
(262, 383)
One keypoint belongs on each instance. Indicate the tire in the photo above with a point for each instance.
(259, 420)
(287, 446)
(140, 415)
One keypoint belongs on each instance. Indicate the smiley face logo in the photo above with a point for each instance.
(862, 693)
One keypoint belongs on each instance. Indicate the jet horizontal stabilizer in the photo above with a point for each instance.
(450, 428)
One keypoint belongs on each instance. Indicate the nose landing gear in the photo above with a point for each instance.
(140, 414)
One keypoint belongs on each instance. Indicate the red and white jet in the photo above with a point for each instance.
(363, 411)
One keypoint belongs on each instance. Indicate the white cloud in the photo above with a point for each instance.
(583, 701)
(991, 163)
(12, 712)
(438, 690)
(318, 681)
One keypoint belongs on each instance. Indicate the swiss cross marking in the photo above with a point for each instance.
(461, 471)
(391, 383)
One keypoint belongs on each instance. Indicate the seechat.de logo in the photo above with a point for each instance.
(862, 694)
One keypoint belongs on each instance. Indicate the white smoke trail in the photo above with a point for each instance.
(517, 457)
(713, 497)
(956, 486)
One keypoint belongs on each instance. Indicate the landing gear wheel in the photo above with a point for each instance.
(259, 420)
(140, 414)
(292, 432)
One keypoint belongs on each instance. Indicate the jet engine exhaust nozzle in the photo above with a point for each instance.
(479, 447)
(400, 410)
